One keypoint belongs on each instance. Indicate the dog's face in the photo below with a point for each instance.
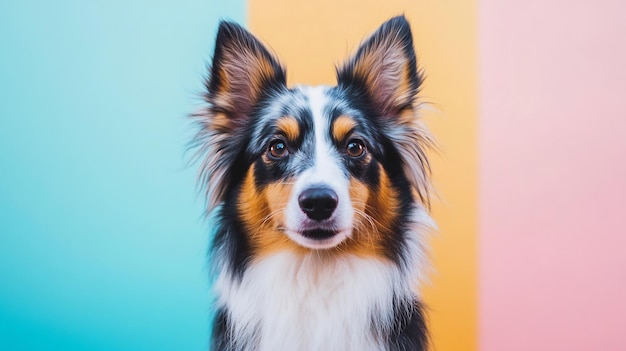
(315, 167)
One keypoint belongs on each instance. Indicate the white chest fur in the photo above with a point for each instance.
(295, 302)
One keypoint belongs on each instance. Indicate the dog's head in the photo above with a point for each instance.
(315, 167)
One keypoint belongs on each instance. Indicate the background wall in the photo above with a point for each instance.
(102, 245)
(101, 242)
(552, 175)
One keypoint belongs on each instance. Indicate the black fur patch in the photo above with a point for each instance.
(220, 336)
(409, 329)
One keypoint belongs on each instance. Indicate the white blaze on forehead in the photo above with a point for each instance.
(327, 170)
(327, 167)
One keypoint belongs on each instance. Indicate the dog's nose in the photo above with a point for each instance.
(318, 203)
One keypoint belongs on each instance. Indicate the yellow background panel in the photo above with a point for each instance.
(311, 37)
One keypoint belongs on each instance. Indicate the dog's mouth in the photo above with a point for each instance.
(318, 238)
(319, 234)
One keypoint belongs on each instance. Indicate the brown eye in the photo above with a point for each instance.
(355, 148)
(278, 149)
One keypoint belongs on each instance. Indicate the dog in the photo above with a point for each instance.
(319, 196)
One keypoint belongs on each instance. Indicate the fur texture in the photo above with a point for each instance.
(320, 196)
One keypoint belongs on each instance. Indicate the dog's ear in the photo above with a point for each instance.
(384, 68)
(384, 72)
(242, 71)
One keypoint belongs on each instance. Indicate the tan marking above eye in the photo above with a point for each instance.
(289, 127)
(342, 127)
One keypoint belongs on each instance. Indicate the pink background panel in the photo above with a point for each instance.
(552, 175)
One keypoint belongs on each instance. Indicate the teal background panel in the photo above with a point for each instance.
(102, 239)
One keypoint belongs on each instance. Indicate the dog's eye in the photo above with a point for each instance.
(355, 148)
(278, 149)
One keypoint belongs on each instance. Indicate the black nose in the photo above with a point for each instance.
(318, 203)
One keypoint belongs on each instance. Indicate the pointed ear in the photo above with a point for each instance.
(384, 68)
(242, 71)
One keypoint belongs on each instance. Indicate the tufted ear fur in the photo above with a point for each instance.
(384, 68)
(384, 73)
(242, 74)
(243, 70)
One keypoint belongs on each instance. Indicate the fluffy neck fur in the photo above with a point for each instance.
(317, 301)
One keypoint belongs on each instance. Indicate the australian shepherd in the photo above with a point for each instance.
(319, 197)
